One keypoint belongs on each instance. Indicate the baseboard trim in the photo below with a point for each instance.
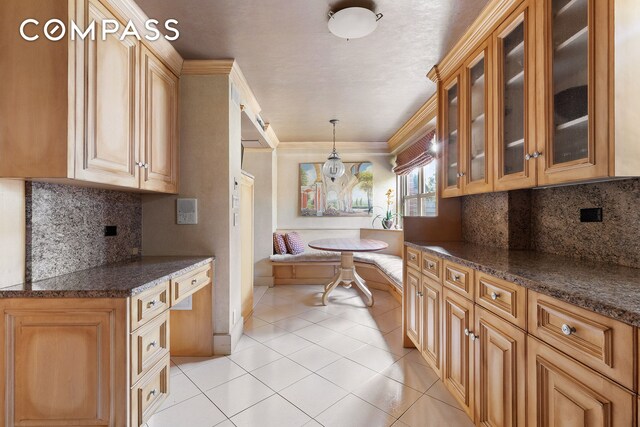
(223, 344)
(263, 281)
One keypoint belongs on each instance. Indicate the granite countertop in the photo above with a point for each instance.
(119, 280)
(607, 289)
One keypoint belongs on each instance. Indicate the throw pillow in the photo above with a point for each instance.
(294, 242)
(279, 246)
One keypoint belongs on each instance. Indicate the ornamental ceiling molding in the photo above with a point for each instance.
(416, 127)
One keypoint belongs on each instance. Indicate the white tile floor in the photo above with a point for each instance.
(303, 364)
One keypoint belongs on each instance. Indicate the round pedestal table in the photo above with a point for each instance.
(347, 274)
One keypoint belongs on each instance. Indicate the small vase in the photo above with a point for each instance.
(387, 224)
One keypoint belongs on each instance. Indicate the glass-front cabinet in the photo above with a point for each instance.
(450, 137)
(574, 99)
(516, 152)
(476, 146)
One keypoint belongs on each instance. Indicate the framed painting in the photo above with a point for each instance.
(350, 195)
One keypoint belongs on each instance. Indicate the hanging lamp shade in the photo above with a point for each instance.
(333, 168)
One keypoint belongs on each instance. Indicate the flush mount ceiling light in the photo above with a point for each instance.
(333, 168)
(353, 22)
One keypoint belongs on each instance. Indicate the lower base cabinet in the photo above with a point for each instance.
(565, 393)
(431, 301)
(458, 342)
(500, 371)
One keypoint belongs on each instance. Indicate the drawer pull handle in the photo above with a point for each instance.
(472, 336)
(153, 344)
(413, 257)
(194, 281)
(152, 303)
(568, 330)
(430, 265)
(466, 331)
(495, 295)
(153, 393)
(456, 277)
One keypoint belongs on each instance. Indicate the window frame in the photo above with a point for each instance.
(402, 197)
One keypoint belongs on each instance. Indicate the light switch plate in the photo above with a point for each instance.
(187, 211)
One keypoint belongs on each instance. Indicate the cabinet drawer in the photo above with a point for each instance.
(431, 266)
(413, 258)
(149, 393)
(189, 283)
(149, 304)
(597, 341)
(503, 298)
(149, 344)
(459, 278)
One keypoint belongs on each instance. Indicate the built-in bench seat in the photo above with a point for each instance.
(381, 270)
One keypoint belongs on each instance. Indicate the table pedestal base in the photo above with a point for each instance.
(346, 276)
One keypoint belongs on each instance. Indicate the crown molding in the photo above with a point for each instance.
(229, 67)
(129, 10)
(376, 147)
(488, 20)
(415, 127)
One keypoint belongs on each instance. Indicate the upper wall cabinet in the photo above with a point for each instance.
(560, 95)
(98, 111)
(573, 71)
(515, 101)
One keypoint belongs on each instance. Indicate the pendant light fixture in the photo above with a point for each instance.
(333, 168)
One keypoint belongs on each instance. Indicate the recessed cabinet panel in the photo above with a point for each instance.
(515, 98)
(159, 95)
(412, 307)
(107, 152)
(431, 323)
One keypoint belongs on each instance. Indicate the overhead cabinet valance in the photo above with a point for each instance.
(526, 98)
(417, 155)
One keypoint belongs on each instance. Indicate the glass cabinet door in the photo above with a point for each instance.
(574, 86)
(515, 102)
(477, 150)
(569, 52)
(451, 138)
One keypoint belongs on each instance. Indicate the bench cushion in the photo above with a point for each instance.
(390, 265)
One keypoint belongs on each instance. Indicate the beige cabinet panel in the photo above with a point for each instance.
(431, 301)
(108, 150)
(412, 306)
(159, 123)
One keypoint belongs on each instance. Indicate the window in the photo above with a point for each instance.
(417, 191)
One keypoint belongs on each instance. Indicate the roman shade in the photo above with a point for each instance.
(416, 155)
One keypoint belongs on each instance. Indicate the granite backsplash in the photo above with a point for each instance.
(548, 220)
(66, 227)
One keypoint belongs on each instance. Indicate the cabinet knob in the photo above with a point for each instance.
(412, 256)
(153, 344)
(536, 154)
(430, 264)
(495, 296)
(153, 392)
(194, 281)
(466, 331)
(456, 277)
(145, 165)
(472, 336)
(528, 156)
(568, 330)
(152, 303)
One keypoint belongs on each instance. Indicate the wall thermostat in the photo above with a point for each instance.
(187, 211)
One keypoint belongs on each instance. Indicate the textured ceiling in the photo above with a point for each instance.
(302, 75)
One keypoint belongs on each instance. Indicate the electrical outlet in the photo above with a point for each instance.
(591, 215)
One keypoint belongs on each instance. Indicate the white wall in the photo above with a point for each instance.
(209, 164)
(12, 232)
(263, 166)
(289, 187)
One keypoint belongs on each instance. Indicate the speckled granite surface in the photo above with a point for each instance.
(604, 288)
(119, 280)
(65, 228)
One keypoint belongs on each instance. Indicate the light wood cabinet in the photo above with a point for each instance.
(515, 100)
(500, 363)
(450, 132)
(44, 383)
(431, 267)
(100, 112)
(458, 353)
(573, 90)
(503, 298)
(431, 317)
(565, 393)
(412, 307)
(159, 125)
(458, 278)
